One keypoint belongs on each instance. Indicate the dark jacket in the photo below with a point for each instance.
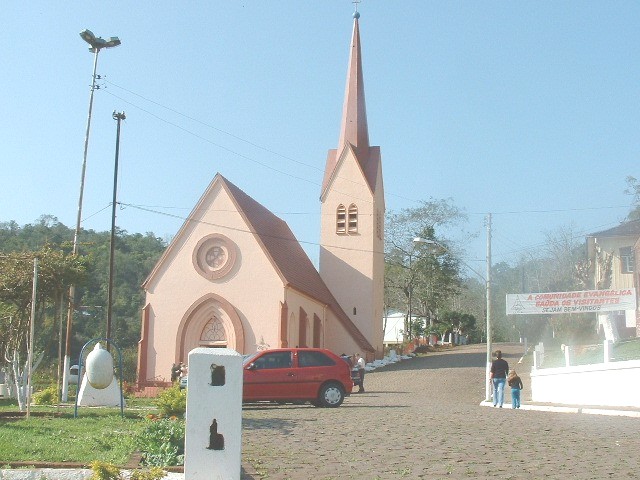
(499, 368)
(515, 382)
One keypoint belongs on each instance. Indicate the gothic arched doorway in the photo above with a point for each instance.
(210, 322)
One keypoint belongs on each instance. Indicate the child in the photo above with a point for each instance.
(515, 383)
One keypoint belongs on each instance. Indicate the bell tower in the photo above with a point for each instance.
(353, 208)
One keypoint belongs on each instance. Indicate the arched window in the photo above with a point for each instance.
(341, 219)
(353, 218)
(213, 334)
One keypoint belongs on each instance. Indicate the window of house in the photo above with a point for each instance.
(341, 219)
(626, 260)
(353, 218)
(379, 224)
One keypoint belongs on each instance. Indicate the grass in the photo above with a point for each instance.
(54, 435)
(591, 354)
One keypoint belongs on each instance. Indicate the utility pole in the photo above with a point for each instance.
(118, 116)
(488, 290)
(32, 322)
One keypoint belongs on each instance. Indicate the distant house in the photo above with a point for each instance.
(394, 328)
(614, 257)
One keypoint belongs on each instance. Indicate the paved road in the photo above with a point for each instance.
(422, 419)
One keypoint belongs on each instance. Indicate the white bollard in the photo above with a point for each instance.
(213, 437)
(567, 356)
(607, 350)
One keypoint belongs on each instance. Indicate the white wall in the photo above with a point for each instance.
(613, 384)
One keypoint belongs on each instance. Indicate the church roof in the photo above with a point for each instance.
(288, 257)
(354, 130)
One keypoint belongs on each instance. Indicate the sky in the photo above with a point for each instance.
(525, 110)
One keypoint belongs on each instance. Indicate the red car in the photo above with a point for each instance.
(315, 375)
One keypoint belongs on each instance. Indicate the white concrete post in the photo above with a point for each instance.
(567, 356)
(607, 350)
(213, 442)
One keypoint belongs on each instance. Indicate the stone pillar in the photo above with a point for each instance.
(567, 355)
(213, 446)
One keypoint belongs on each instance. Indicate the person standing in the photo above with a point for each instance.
(515, 383)
(361, 364)
(499, 370)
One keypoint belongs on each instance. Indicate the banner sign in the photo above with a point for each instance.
(571, 302)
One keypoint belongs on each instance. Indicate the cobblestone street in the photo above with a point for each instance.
(422, 419)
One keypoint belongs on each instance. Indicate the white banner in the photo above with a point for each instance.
(571, 302)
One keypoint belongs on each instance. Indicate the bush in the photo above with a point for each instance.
(48, 396)
(162, 442)
(104, 471)
(172, 402)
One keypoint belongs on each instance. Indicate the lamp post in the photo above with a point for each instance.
(95, 45)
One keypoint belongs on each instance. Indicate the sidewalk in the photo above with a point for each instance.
(589, 410)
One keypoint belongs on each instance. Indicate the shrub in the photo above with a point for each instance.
(154, 473)
(172, 402)
(104, 471)
(162, 442)
(48, 396)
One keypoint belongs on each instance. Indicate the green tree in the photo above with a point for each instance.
(56, 271)
(412, 269)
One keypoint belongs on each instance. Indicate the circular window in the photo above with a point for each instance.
(214, 256)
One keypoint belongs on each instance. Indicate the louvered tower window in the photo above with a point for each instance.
(341, 219)
(353, 218)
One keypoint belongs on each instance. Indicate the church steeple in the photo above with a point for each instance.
(354, 131)
(354, 112)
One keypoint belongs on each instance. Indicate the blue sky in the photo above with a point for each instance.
(529, 111)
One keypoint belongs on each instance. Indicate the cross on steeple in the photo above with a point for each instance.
(355, 4)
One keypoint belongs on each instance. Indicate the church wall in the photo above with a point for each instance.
(337, 339)
(251, 287)
(295, 302)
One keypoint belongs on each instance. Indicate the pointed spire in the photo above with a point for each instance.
(354, 113)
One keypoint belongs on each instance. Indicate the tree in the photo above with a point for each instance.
(633, 189)
(55, 273)
(136, 254)
(412, 270)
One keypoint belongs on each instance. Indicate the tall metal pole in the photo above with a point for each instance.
(72, 288)
(488, 290)
(118, 117)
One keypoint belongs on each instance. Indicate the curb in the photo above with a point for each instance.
(560, 409)
(64, 474)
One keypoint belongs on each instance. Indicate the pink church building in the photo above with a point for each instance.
(235, 276)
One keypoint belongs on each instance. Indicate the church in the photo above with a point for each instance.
(234, 276)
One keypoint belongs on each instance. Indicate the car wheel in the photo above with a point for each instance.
(331, 395)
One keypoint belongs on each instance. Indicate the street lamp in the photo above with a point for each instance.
(487, 282)
(95, 45)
